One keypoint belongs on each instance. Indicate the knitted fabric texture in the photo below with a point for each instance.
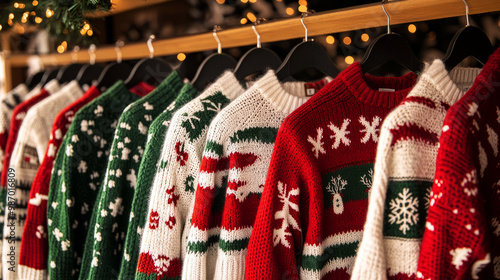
(147, 170)
(34, 244)
(403, 175)
(76, 178)
(462, 232)
(233, 171)
(115, 196)
(315, 198)
(28, 152)
(165, 234)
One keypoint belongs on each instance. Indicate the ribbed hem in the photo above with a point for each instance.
(26, 272)
(230, 266)
(366, 87)
(52, 86)
(194, 266)
(449, 84)
(229, 85)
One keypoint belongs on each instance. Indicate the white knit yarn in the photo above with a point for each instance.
(408, 159)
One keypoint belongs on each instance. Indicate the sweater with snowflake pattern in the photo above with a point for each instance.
(34, 245)
(462, 232)
(165, 233)
(147, 170)
(315, 201)
(233, 171)
(403, 174)
(28, 152)
(115, 196)
(76, 178)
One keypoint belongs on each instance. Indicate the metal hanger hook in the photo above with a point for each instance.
(258, 36)
(303, 24)
(466, 12)
(219, 45)
(92, 49)
(74, 54)
(150, 45)
(118, 50)
(388, 18)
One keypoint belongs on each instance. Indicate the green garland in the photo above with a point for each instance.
(63, 19)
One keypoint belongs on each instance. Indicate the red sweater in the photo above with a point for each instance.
(313, 208)
(462, 235)
(34, 244)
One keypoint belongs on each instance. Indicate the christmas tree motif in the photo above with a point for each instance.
(404, 210)
(469, 183)
(340, 134)
(182, 156)
(459, 256)
(154, 220)
(317, 143)
(335, 187)
(367, 180)
(370, 130)
(189, 184)
(280, 234)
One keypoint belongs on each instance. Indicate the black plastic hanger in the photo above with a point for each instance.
(151, 70)
(48, 76)
(305, 55)
(115, 71)
(34, 80)
(256, 60)
(187, 69)
(68, 73)
(390, 47)
(468, 41)
(213, 66)
(88, 74)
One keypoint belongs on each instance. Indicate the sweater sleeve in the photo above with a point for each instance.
(282, 219)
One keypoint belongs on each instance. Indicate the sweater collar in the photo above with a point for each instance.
(450, 85)
(376, 91)
(228, 85)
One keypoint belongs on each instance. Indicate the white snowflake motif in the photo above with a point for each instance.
(57, 233)
(335, 187)
(317, 143)
(84, 125)
(95, 262)
(148, 106)
(495, 223)
(125, 125)
(98, 111)
(125, 153)
(37, 200)
(54, 204)
(429, 226)
(40, 232)
(190, 118)
(459, 255)
(111, 184)
(69, 150)
(136, 158)
(97, 234)
(166, 123)
(82, 167)
(142, 128)
(103, 143)
(58, 134)
(162, 263)
(99, 154)
(126, 256)
(132, 178)
(472, 109)
(49, 222)
(118, 173)
(52, 264)
(70, 202)
(469, 183)
(370, 130)
(148, 118)
(367, 180)
(127, 140)
(116, 207)
(104, 213)
(340, 134)
(65, 245)
(92, 186)
(404, 210)
(120, 145)
(52, 150)
(280, 234)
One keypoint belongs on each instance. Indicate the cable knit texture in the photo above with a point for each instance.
(462, 232)
(34, 244)
(172, 194)
(403, 175)
(315, 198)
(233, 171)
(76, 178)
(28, 153)
(115, 197)
(147, 170)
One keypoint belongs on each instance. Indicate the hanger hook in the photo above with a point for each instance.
(303, 24)
(74, 54)
(219, 45)
(92, 49)
(118, 50)
(388, 18)
(466, 12)
(150, 45)
(258, 36)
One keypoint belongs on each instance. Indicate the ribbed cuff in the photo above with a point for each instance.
(194, 266)
(30, 273)
(230, 266)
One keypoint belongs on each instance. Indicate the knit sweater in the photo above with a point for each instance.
(403, 175)
(165, 234)
(115, 197)
(313, 207)
(28, 153)
(147, 170)
(34, 245)
(462, 232)
(76, 178)
(233, 171)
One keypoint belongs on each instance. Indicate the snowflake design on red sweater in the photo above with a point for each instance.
(370, 129)
(340, 134)
(182, 156)
(172, 197)
(171, 222)
(469, 183)
(317, 143)
(154, 219)
(285, 194)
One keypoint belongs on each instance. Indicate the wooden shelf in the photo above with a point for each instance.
(354, 18)
(120, 6)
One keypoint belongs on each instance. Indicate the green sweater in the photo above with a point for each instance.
(147, 170)
(76, 178)
(104, 250)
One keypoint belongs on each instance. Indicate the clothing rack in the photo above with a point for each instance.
(340, 20)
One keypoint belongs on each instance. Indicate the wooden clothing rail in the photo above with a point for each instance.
(341, 20)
